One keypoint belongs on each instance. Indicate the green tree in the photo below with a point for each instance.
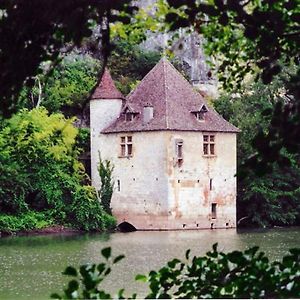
(40, 171)
(105, 170)
(66, 88)
(129, 64)
(273, 197)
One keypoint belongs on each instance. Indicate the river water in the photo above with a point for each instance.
(30, 267)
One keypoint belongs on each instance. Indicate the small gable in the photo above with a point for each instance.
(128, 113)
(200, 114)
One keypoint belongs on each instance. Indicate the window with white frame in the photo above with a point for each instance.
(209, 145)
(126, 146)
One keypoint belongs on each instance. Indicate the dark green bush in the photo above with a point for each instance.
(247, 274)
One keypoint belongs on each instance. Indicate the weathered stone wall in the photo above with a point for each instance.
(153, 192)
(141, 186)
(191, 194)
(102, 113)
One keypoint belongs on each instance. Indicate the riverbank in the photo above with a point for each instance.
(58, 229)
(48, 222)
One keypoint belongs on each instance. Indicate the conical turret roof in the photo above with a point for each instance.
(174, 103)
(106, 89)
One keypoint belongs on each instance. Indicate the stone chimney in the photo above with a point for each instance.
(147, 113)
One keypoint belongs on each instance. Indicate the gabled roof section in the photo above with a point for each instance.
(128, 109)
(173, 99)
(202, 109)
(106, 89)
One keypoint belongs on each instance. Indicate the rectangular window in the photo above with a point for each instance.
(126, 146)
(209, 145)
(119, 185)
(210, 184)
(179, 151)
(214, 210)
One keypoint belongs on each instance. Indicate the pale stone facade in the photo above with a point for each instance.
(164, 178)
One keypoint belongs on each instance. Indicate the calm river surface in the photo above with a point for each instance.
(30, 267)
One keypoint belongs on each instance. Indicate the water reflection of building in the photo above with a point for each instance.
(174, 156)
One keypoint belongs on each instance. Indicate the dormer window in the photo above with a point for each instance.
(200, 114)
(129, 116)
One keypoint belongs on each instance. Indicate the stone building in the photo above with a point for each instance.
(174, 157)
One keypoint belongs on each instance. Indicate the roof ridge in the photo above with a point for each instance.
(147, 75)
(184, 79)
(165, 90)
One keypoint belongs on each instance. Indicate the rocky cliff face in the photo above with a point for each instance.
(189, 50)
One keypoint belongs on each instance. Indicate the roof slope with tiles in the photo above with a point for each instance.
(106, 89)
(173, 100)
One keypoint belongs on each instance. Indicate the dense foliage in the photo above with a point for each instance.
(272, 198)
(247, 274)
(45, 29)
(66, 89)
(128, 64)
(105, 170)
(39, 171)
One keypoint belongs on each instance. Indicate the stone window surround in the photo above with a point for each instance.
(209, 145)
(126, 146)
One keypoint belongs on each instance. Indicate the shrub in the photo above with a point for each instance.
(87, 213)
(26, 221)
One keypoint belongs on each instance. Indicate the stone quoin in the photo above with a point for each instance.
(174, 156)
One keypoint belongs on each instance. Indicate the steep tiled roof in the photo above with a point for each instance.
(106, 89)
(173, 100)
